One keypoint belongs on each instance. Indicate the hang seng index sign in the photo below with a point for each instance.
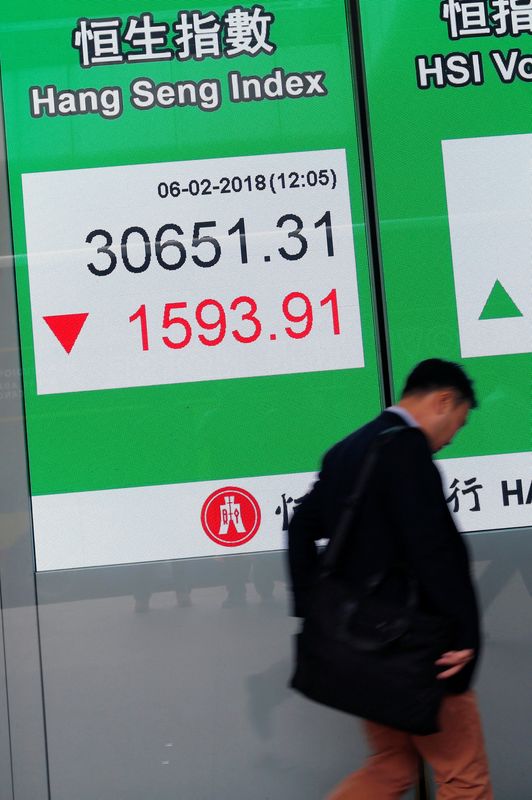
(192, 274)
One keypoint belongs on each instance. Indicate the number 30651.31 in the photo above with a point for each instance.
(137, 250)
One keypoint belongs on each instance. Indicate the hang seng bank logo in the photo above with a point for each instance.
(230, 516)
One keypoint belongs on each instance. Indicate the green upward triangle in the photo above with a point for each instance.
(499, 304)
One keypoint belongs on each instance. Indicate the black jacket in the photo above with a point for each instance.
(403, 519)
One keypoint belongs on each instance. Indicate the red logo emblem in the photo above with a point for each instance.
(230, 516)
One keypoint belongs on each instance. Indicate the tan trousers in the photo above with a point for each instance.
(456, 755)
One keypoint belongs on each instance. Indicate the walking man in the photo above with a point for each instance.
(405, 503)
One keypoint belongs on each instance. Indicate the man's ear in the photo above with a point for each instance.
(444, 400)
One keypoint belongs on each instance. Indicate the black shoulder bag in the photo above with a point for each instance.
(360, 654)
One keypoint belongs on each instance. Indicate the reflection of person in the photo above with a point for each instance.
(405, 508)
(498, 574)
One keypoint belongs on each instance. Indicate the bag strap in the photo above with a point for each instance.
(339, 538)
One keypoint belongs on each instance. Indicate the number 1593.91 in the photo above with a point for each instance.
(211, 322)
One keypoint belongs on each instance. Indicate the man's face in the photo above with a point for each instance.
(451, 417)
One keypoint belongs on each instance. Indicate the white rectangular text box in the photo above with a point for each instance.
(192, 271)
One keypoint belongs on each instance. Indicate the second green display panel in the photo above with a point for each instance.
(449, 106)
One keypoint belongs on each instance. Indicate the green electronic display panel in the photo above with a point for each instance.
(192, 272)
(449, 111)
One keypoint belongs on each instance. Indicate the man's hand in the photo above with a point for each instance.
(455, 660)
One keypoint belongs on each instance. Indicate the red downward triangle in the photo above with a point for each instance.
(66, 327)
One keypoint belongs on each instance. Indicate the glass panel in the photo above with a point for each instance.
(193, 292)
(451, 152)
(8, 387)
(165, 679)
(22, 737)
(6, 783)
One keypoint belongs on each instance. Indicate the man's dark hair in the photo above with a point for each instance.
(434, 373)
